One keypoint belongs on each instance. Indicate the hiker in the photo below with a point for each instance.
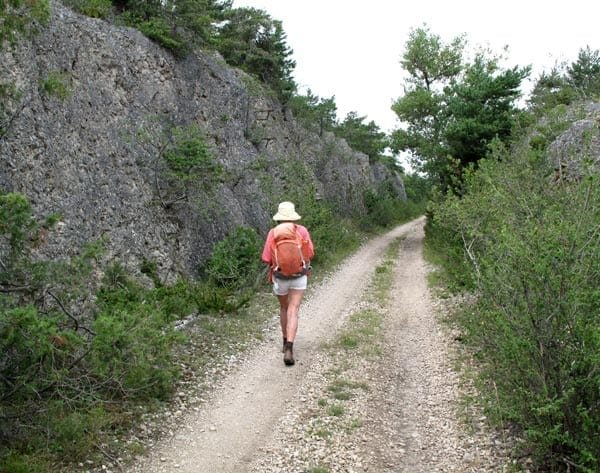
(288, 250)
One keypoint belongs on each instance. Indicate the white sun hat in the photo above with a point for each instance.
(286, 211)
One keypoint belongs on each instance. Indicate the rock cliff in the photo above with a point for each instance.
(95, 109)
(576, 152)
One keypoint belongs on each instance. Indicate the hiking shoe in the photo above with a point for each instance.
(283, 347)
(288, 356)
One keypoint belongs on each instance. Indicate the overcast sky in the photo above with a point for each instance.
(351, 49)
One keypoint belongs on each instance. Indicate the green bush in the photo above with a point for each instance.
(18, 17)
(160, 31)
(132, 352)
(92, 8)
(188, 169)
(532, 246)
(235, 261)
(332, 236)
(385, 209)
(62, 363)
(32, 346)
(190, 155)
(56, 85)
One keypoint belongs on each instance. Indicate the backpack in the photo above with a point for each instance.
(289, 259)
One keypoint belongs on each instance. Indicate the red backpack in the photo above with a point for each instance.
(289, 252)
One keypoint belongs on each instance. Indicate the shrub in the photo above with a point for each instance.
(56, 85)
(332, 236)
(532, 246)
(92, 8)
(61, 362)
(189, 155)
(385, 209)
(160, 31)
(132, 353)
(19, 17)
(185, 165)
(235, 261)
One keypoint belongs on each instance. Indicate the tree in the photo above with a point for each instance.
(480, 107)
(178, 25)
(551, 89)
(200, 18)
(452, 110)
(431, 65)
(584, 74)
(429, 61)
(563, 85)
(366, 138)
(314, 112)
(253, 41)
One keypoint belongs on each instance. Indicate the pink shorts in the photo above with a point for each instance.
(282, 286)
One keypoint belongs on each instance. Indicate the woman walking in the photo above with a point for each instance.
(288, 250)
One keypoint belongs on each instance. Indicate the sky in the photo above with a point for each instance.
(352, 50)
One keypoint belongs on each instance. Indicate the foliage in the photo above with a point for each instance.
(71, 372)
(92, 8)
(199, 19)
(417, 187)
(430, 62)
(584, 74)
(178, 25)
(432, 66)
(364, 137)
(527, 246)
(480, 109)
(331, 236)
(65, 361)
(189, 157)
(56, 85)
(182, 162)
(235, 261)
(253, 41)
(452, 110)
(313, 112)
(551, 90)
(131, 348)
(247, 38)
(159, 30)
(19, 17)
(16, 222)
(566, 85)
(385, 209)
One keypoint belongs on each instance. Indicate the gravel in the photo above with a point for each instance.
(399, 406)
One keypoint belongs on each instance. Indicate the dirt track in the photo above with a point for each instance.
(253, 421)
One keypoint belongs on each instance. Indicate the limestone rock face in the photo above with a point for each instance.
(95, 154)
(576, 152)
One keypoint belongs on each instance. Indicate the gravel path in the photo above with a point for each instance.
(399, 411)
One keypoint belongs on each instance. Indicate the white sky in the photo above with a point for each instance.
(351, 49)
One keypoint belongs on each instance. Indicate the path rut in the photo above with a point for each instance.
(253, 421)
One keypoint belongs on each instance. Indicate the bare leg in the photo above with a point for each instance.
(283, 309)
(289, 306)
(293, 306)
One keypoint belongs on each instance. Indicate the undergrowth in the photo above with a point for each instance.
(83, 358)
(524, 243)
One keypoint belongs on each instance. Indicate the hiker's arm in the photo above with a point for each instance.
(266, 253)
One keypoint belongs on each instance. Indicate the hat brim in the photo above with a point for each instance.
(292, 216)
